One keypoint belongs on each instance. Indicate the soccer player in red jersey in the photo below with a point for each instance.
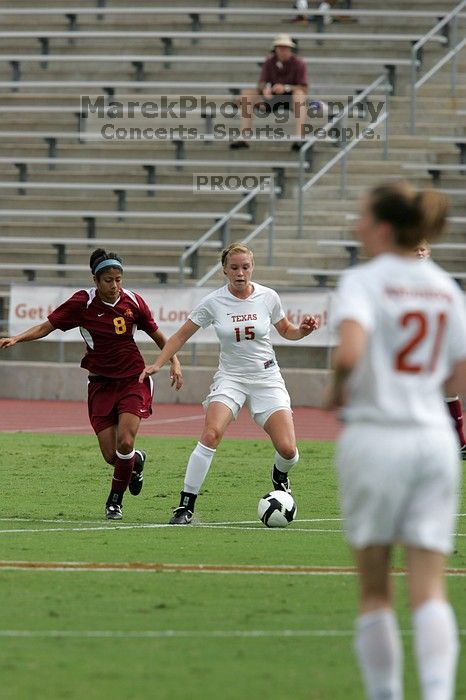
(108, 316)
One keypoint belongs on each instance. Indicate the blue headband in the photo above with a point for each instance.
(110, 262)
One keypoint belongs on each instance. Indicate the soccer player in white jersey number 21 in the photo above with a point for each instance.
(241, 313)
(402, 343)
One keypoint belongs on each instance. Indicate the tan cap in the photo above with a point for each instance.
(284, 40)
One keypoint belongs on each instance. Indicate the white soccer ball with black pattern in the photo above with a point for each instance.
(277, 509)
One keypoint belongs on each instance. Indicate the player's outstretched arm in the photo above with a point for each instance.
(291, 332)
(176, 374)
(171, 347)
(34, 333)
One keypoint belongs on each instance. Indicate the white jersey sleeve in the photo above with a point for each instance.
(276, 308)
(353, 302)
(202, 314)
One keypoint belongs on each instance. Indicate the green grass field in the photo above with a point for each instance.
(161, 633)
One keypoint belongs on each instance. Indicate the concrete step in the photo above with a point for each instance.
(107, 202)
(115, 229)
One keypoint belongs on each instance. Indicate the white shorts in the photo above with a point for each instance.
(262, 398)
(399, 485)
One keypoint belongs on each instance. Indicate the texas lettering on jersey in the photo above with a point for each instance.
(243, 317)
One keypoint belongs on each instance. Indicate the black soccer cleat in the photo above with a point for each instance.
(280, 480)
(113, 512)
(463, 452)
(181, 516)
(137, 475)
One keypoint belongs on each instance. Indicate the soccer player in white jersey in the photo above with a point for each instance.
(402, 341)
(242, 313)
(454, 405)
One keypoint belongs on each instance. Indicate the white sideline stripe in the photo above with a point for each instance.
(14, 519)
(98, 522)
(170, 634)
(155, 526)
(258, 528)
(241, 526)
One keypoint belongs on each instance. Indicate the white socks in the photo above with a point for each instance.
(436, 646)
(379, 651)
(197, 468)
(380, 655)
(284, 465)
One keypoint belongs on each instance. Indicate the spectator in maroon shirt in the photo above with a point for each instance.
(107, 316)
(282, 82)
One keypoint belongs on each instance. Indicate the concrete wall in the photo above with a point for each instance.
(67, 382)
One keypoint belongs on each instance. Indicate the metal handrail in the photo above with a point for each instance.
(220, 224)
(453, 15)
(441, 63)
(341, 154)
(450, 55)
(302, 187)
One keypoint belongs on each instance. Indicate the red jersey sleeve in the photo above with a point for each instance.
(146, 320)
(69, 314)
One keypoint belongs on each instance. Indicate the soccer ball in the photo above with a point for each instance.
(277, 509)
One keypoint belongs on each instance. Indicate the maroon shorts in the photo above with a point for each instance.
(107, 398)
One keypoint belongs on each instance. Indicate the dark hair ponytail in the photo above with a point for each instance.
(98, 256)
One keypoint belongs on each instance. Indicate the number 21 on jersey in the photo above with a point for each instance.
(423, 330)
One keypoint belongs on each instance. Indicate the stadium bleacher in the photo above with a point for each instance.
(50, 163)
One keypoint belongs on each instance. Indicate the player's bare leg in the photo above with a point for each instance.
(378, 640)
(126, 431)
(279, 426)
(218, 418)
(107, 443)
(435, 628)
